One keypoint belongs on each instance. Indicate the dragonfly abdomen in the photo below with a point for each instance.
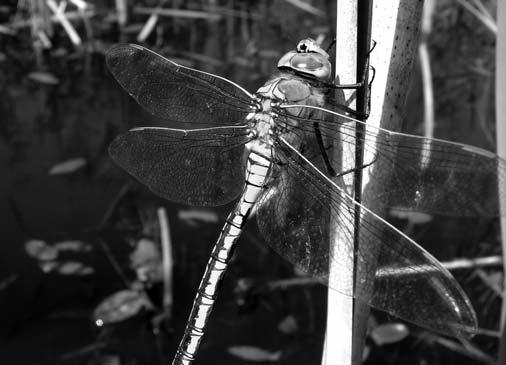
(256, 173)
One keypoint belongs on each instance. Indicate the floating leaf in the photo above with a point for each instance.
(7, 30)
(5, 283)
(67, 167)
(147, 261)
(108, 360)
(413, 217)
(66, 267)
(366, 352)
(72, 245)
(146, 251)
(43, 78)
(252, 353)
(120, 306)
(495, 279)
(389, 333)
(48, 266)
(40, 250)
(59, 52)
(288, 325)
(192, 216)
(74, 268)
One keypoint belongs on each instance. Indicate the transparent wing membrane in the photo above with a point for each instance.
(419, 173)
(199, 167)
(295, 215)
(182, 96)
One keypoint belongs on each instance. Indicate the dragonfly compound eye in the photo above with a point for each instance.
(309, 60)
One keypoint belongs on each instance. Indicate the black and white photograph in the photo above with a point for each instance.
(234, 182)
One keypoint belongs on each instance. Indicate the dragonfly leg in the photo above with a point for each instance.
(323, 152)
(331, 45)
(326, 159)
(359, 85)
(362, 81)
(363, 166)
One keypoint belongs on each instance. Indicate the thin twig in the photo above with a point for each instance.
(114, 262)
(468, 349)
(110, 209)
(457, 264)
(480, 12)
(59, 13)
(71, 15)
(192, 14)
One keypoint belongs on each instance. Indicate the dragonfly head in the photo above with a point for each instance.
(309, 59)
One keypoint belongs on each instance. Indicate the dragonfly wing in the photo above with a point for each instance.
(198, 167)
(185, 97)
(398, 276)
(419, 173)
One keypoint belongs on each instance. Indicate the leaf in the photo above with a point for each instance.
(288, 325)
(43, 78)
(67, 167)
(72, 245)
(5, 283)
(193, 216)
(7, 30)
(252, 353)
(110, 360)
(146, 252)
(366, 352)
(146, 260)
(389, 333)
(48, 266)
(74, 268)
(495, 279)
(40, 250)
(119, 307)
(412, 217)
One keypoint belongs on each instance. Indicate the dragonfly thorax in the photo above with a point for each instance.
(261, 124)
(264, 120)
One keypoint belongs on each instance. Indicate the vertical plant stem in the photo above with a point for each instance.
(395, 31)
(339, 332)
(500, 105)
(347, 318)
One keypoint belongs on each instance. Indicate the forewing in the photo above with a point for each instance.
(396, 275)
(182, 96)
(417, 173)
(199, 167)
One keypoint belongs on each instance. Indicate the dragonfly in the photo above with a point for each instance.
(274, 151)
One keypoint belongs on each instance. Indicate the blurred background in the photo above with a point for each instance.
(81, 269)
